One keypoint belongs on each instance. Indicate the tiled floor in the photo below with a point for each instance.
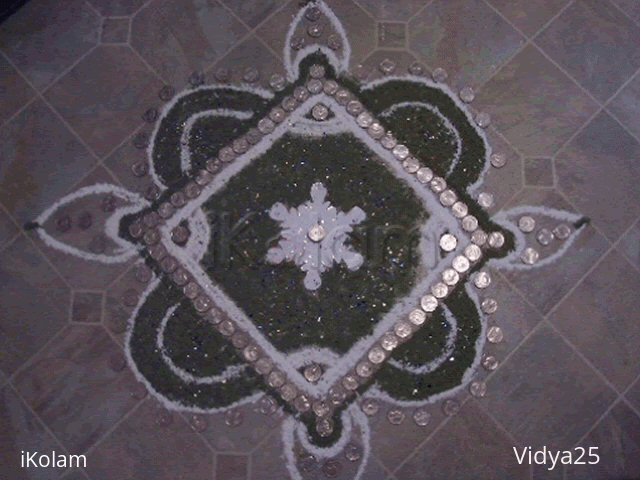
(560, 79)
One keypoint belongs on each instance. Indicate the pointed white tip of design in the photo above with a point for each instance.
(318, 192)
(312, 280)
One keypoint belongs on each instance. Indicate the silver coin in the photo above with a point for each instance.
(191, 290)
(288, 392)
(263, 366)
(369, 407)
(489, 362)
(400, 151)
(331, 468)
(343, 96)
(429, 303)
(267, 405)
(180, 234)
(199, 423)
(473, 252)
(315, 85)
(450, 407)
(448, 242)
(402, 329)
(489, 305)
(483, 119)
(482, 280)
(321, 408)
(307, 462)
(165, 210)
(526, 224)
(320, 112)
(459, 209)
(421, 417)
(376, 131)
(416, 68)
(364, 120)
(353, 452)
(460, 264)
(301, 94)
(266, 125)
(350, 382)
(297, 43)
(289, 103)
(389, 341)
(387, 66)
(450, 276)
(313, 14)
(315, 30)
(302, 404)
(334, 42)
(158, 252)
(439, 75)
(364, 369)
(316, 71)
(277, 82)
(439, 290)
(277, 114)
(496, 239)
(151, 237)
(330, 87)
(276, 379)
(222, 74)
(388, 141)
(180, 277)
(251, 353)
(411, 164)
(337, 394)
(233, 417)
(544, 236)
(498, 160)
(448, 198)
(240, 340)
(467, 95)
(485, 200)
(312, 372)
(437, 184)
(530, 256)
(240, 145)
(469, 223)
(251, 75)
(479, 237)
(204, 178)
(355, 108)
(202, 303)
(324, 427)
(417, 317)
(214, 165)
(424, 174)
(395, 416)
(495, 334)
(562, 231)
(376, 355)
(478, 389)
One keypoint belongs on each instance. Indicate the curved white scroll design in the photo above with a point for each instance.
(125, 250)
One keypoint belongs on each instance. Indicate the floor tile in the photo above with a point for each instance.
(120, 300)
(633, 394)
(86, 369)
(469, 40)
(39, 160)
(14, 91)
(616, 442)
(369, 69)
(77, 272)
(8, 230)
(625, 106)
(254, 12)
(548, 471)
(513, 98)
(144, 449)
(538, 172)
(392, 35)
(604, 303)
(597, 44)
(545, 394)
(545, 286)
(21, 431)
(267, 460)
(469, 436)
(399, 10)
(528, 16)
(231, 467)
(630, 244)
(86, 307)
(359, 26)
(34, 304)
(74, 474)
(602, 158)
(178, 39)
(44, 39)
(250, 53)
(116, 8)
(115, 30)
(104, 116)
(630, 7)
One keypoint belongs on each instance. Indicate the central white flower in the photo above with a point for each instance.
(314, 235)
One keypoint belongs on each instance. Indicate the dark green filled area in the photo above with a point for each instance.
(273, 296)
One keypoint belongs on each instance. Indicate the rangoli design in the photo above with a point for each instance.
(320, 248)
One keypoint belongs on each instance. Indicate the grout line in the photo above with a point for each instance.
(146, 64)
(68, 69)
(19, 111)
(598, 421)
(183, 415)
(615, 5)
(420, 10)
(95, 10)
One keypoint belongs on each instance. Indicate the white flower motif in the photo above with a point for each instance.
(314, 235)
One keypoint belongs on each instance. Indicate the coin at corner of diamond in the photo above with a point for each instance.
(495, 334)
(395, 416)
(478, 389)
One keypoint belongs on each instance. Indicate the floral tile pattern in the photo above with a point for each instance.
(254, 135)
